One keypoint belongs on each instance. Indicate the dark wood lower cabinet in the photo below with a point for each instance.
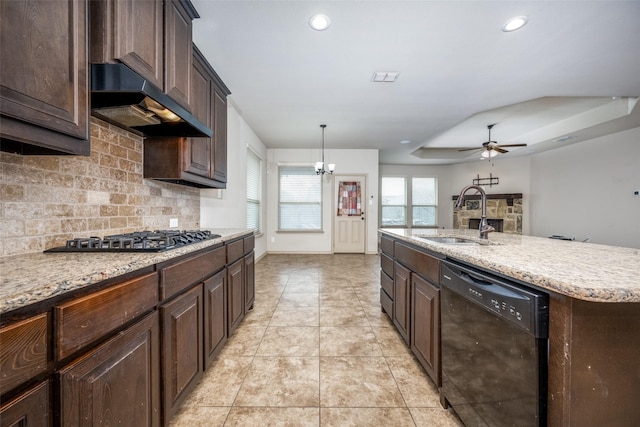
(30, 409)
(235, 295)
(182, 348)
(130, 352)
(401, 299)
(215, 316)
(118, 383)
(425, 326)
(249, 281)
(410, 295)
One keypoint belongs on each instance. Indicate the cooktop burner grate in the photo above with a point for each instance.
(139, 241)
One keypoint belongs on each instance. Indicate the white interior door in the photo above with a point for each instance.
(349, 223)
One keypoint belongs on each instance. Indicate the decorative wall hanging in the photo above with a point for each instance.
(349, 199)
(491, 181)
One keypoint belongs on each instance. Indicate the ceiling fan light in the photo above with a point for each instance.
(489, 153)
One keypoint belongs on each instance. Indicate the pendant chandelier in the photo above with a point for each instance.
(319, 166)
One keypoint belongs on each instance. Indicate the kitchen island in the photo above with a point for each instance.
(594, 315)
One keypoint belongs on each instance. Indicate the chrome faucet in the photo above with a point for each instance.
(484, 228)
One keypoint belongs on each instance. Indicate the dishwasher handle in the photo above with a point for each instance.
(491, 287)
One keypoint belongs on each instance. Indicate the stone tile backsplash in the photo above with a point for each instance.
(46, 200)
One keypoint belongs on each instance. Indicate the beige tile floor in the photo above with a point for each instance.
(316, 350)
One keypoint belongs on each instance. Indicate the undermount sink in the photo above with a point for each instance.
(449, 240)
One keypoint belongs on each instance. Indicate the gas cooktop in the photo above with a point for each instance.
(139, 241)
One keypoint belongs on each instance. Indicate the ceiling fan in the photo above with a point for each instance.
(492, 148)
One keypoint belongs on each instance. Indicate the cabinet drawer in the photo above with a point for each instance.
(424, 264)
(85, 320)
(386, 283)
(24, 351)
(235, 250)
(386, 245)
(386, 263)
(183, 274)
(249, 244)
(386, 303)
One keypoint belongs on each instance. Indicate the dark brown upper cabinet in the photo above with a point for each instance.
(44, 81)
(131, 32)
(151, 37)
(197, 162)
(178, 18)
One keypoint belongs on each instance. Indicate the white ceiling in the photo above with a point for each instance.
(458, 72)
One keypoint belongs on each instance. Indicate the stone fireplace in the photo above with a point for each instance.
(504, 212)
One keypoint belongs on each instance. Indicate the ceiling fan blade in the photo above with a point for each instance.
(499, 150)
(510, 145)
(469, 149)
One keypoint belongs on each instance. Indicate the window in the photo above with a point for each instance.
(299, 199)
(394, 201)
(424, 202)
(409, 201)
(254, 191)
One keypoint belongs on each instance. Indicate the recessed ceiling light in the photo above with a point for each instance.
(319, 22)
(405, 141)
(515, 23)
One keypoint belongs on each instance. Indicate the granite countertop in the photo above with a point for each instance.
(585, 271)
(31, 278)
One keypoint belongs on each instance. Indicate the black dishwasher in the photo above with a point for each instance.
(494, 348)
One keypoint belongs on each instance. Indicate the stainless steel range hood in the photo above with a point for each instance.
(122, 97)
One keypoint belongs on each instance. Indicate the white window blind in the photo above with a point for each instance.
(299, 199)
(424, 201)
(254, 191)
(393, 201)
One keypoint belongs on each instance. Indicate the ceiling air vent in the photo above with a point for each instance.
(385, 76)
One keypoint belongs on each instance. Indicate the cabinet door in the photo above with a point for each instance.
(30, 409)
(177, 43)
(249, 282)
(138, 36)
(401, 295)
(235, 305)
(220, 137)
(198, 151)
(425, 326)
(182, 350)
(118, 383)
(44, 80)
(215, 315)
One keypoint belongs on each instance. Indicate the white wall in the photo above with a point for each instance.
(348, 162)
(585, 190)
(229, 210)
